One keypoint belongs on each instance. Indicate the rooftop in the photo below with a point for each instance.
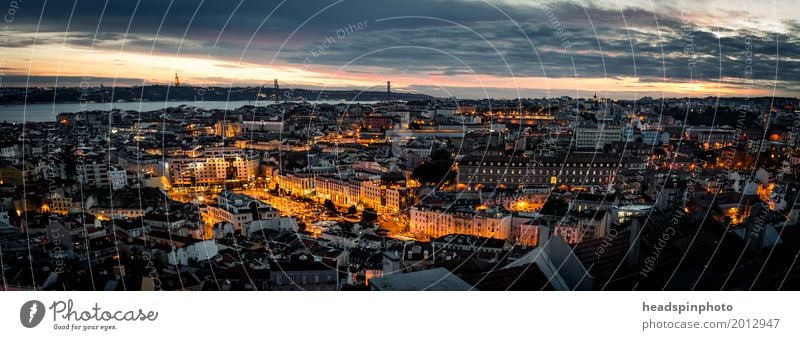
(438, 279)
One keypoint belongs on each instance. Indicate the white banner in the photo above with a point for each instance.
(399, 315)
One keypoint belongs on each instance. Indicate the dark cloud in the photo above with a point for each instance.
(604, 49)
(414, 36)
(67, 81)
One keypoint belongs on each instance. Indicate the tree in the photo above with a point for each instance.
(369, 216)
(70, 162)
(352, 210)
(440, 155)
(329, 205)
(433, 172)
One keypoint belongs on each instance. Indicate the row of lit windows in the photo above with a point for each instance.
(539, 179)
(538, 172)
(524, 164)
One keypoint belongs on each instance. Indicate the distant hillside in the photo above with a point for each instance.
(188, 93)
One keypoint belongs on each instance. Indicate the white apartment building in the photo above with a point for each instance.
(430, 222)
(100, 175)
(238, 210)
(208, 171)
(595, 137)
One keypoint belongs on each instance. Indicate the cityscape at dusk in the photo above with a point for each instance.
(413, 145)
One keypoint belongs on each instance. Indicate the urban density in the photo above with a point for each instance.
(553, 193)
(361, 145)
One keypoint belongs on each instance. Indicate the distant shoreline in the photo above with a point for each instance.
(46, 112)
(162, 93)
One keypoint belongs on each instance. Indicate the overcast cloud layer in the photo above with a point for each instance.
(467, 48)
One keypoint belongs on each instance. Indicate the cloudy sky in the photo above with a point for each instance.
(462, 48)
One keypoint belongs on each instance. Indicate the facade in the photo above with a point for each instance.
(376, 122)
(210, 171)
(341, 191)
(165, 221)
(226, 129)
(370, 194)
(261, 126)
(711, 137)
(396, 199)
(115, 212)
(303, 274)
(475, 171)
(526, 235)
(295, 184)
(117, 178)
(238, 210)
(385, 196)
(59, 205)
(433, 222)
(98, 174)
(595, 137)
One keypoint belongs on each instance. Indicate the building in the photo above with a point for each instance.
(261, 126)
(711, 137)
(377, 122)
(303, 273)
(301, 184)
(238, 210)
(9, 151)
(165, 221)
(226, 129)
(433, 222)
(526, 235)
(98, 174)
(182, 250)
(210, 171)
(117, 178)
(117, 212)
(340, 190)
(573, 169)
(595, 137)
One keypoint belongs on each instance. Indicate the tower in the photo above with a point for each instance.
(388, 91)
(177, 80)
(277, 91)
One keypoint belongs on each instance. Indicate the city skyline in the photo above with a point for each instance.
(632, 167)
(466, 49)
(198, 145)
